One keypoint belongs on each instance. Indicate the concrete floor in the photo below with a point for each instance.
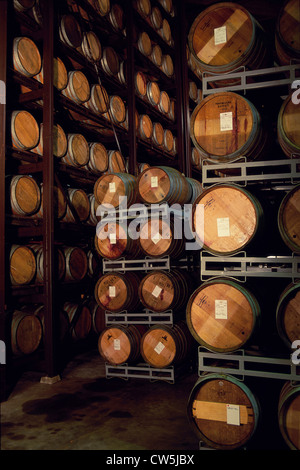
(87, 411)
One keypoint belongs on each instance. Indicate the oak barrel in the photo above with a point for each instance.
(225, 126)
(163, 184)
(70, 31)
(145, 127)
(113, 241)
(26, 333)
(140, 82)
(222, 315)
(163, 345)
(153, 92)
(113, 189)
(226, 218)
(168, 140)
(59, 203)
(156, 18)
(116, 17)
(163, 290)
(223, 411)
(288, 132)
(99, 100)
(79, 201)
(23, 5)
(80, 320)
(167, 65)
(110, 61)
(78, 152)
(196, 189)
(164, 102)
(102, 7)
(158, 134)
(25, 195)
(93, 219)
(61, 321)
(22, 265)
(143, 7)
(165, 32)
(98, 158)
(224, 37)
(156, 55)
(60, 74)
(76, 263)
(91, 46)
(118, 291)
(289, 219)
(159, 237)
(289, 414)
(25, 132)
(26, 56)
(288, 314)
(116, 162)
(59, 262)
(144, 44)
(60, 141)
(117, 109)
(78, 88)
(287, 39)
(119, 344)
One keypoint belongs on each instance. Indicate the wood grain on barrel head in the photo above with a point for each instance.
(25, 130)
(26, 58)
(158, 347)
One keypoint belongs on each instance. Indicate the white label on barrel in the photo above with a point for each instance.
(113, 238)
(223, 227)
(112, 291)
(156, 238)
(156, 291)
(117, 344)
(220, 35)
(226, 121)
(154, 181)
(233, 414)
(159, 347)
(221, 309)
(112, 187)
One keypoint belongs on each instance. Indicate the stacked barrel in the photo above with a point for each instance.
(223, 314)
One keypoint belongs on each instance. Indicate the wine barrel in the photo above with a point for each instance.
(91, 47)
(116, 162)
(78, 152)
(167, 65)
(25, 132)
(80, 320)
(289, 414)
(59, 203)
(158, 134)
(142, 167)
(93, 219)
(119, 344)
(163, 290)
(59, 262)
(62, 324)
(145, 128)
(116, 17)
(226, 218)
(110, 61)
(165, 32)
(288, 132)
(117, 109)
(60, 74)
(93, 263)
(288, 314)
(163, 346)
(287, 40)
(113, 241)
(78, 88)
(196, 189)
(168, 6)
(98, 317)
(153, 92)
(140, 81)
(288, 219)
(26, 333)
(159, 237)
(171, 114)
(60, 142)
(156, 55)
(144, 44)
(224, 37)
(25, 195)
(23, 5)
(223, 412)
(76, 263)
(70, 32)
(143, 7)
(116, 291)
(225, 126)
(164, 102)
(122, 74)
(102, 7)
(168, 140)
(99, 100)
(112, 189)
(80, 202)
(22, 265)
(26, 56)
(222, 315)
(156, 18)
(98, 158)
(163, 184)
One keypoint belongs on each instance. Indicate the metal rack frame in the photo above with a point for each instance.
(242, 266)
(140, 371)
(247, 365)
(147, 317)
